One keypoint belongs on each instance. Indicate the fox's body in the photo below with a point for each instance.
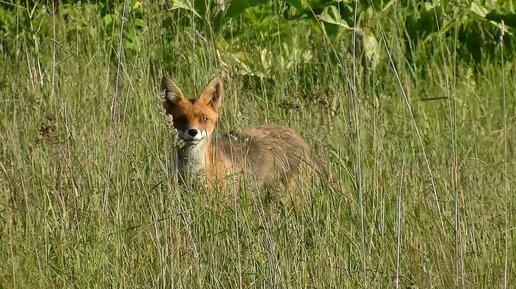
(265, 154)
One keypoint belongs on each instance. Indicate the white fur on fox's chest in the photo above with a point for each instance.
(191, 161)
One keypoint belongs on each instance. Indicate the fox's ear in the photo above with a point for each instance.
(212, 93)
(172, 92)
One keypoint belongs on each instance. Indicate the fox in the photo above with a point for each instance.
(266, 154)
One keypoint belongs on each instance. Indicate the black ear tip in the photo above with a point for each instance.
(218, 83)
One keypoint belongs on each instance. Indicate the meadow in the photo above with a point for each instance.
(418, 126)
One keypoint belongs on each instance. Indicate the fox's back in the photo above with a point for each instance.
(265, 153)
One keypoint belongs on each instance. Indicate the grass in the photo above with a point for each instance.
(89, 198)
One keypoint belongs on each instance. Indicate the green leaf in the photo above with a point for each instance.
(478, 9)
(236, 7)
(107, 19)
(298, 4)
(331, 15)
(371, 49)
(186, 5)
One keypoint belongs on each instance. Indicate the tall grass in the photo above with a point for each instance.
(89, 200)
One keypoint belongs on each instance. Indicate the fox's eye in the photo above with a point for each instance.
(204, 119)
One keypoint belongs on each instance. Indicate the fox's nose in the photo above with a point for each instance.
(192, 132)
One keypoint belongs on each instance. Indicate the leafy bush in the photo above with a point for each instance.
(475, 26)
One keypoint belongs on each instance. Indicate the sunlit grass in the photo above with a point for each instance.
(92, 201)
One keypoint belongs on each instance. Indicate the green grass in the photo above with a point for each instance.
(89, 198)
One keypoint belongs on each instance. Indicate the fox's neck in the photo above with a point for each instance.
(194, 160)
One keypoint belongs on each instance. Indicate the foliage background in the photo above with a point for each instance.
(412, 103)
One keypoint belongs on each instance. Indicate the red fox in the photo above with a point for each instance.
(266, 154)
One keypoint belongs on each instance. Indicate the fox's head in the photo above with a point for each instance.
(194, 119)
